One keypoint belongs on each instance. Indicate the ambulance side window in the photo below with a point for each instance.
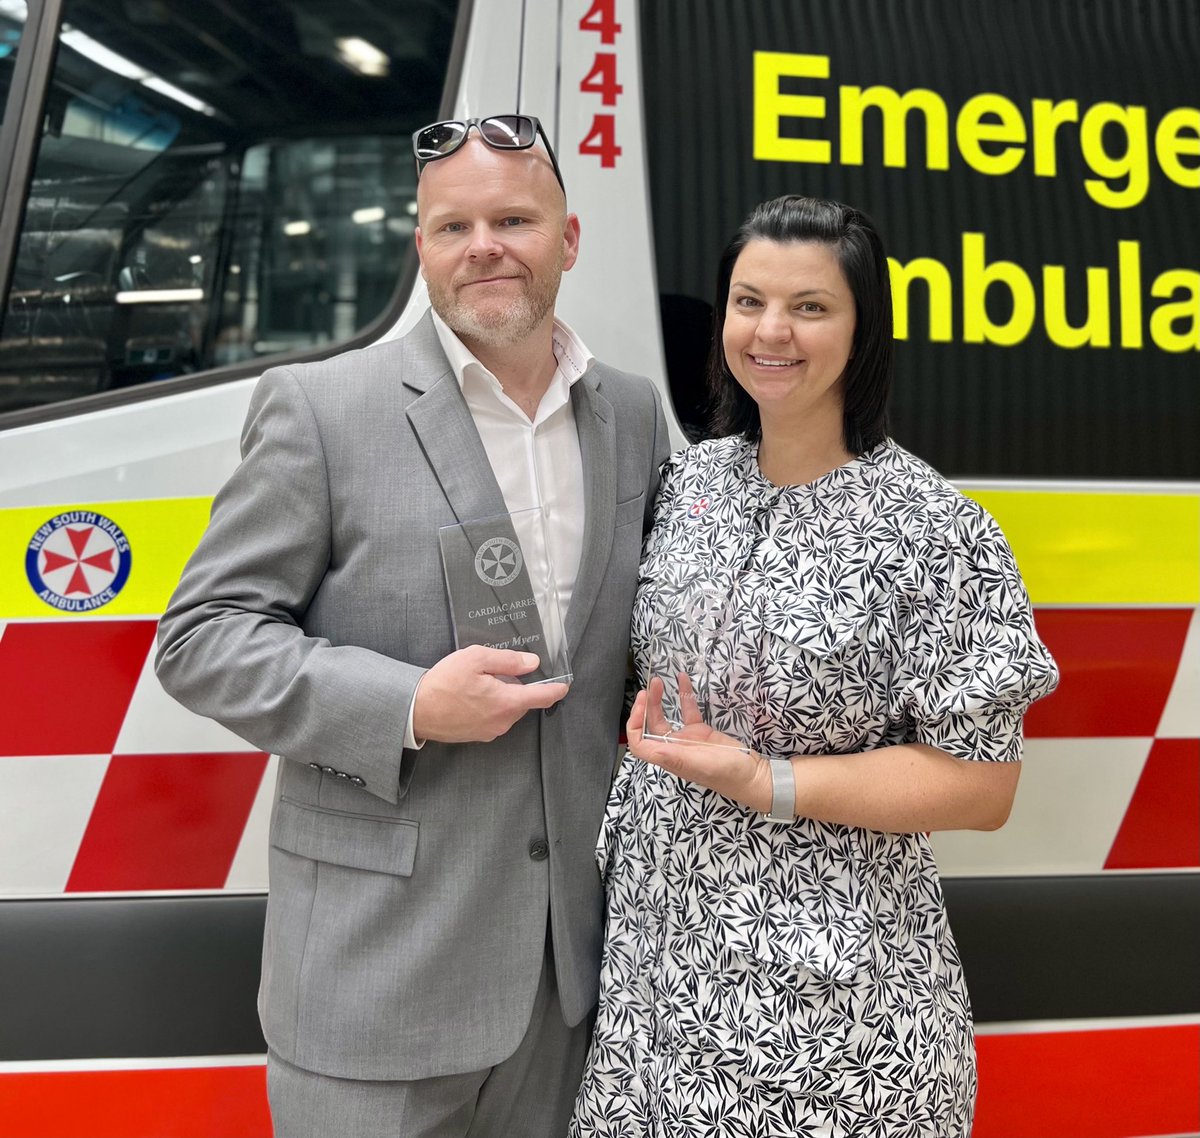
(214, 184)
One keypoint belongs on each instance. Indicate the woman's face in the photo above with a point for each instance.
(789, 330)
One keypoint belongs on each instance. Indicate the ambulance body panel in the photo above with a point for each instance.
(133, 834)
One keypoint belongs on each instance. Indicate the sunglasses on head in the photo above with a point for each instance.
(500, 132)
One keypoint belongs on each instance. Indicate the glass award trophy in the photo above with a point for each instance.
(497, 598)
(690, 654)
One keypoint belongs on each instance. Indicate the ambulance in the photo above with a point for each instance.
(190, 192)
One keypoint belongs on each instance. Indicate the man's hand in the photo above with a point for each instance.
(473, 696)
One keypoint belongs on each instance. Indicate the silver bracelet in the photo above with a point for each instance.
(783, 791)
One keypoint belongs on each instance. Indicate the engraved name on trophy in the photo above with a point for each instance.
(497, 598)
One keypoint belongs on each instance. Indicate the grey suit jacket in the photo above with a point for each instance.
(409, 889)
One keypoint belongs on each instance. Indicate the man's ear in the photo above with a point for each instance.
(570, 241)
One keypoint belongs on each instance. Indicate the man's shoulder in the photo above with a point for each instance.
(617, 385)
(415, 357)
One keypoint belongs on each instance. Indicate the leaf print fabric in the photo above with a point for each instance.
(764, 978)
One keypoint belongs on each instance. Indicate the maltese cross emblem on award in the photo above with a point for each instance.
(498, 561)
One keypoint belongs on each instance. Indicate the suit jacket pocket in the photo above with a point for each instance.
(630, 510)
(360, 841)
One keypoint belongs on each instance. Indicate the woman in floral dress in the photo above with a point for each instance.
(778, 959)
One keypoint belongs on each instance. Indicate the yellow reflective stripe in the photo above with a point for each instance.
(1073, 547)
(162, 534)
(1079, 547)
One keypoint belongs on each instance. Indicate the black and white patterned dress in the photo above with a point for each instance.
(764, 978)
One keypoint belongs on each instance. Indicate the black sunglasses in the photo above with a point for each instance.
(500, 132)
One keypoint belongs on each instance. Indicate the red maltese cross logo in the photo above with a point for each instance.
(85, 562)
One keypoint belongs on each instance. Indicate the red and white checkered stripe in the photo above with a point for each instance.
(1111, 778)
(108, 785)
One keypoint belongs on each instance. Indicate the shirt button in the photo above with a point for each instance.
(539, 850)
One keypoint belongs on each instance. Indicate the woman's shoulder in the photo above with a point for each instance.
(709, 452)
(706, 478)
(946, 540)
(922, 499)
(707, 460)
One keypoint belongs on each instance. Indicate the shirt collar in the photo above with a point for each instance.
(572, 354)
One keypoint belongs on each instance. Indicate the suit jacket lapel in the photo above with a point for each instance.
(443, 425)
(595, 423)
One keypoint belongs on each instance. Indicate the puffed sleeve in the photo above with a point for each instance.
(970, 661)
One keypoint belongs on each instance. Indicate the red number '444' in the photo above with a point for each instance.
(602, 17)
(602, 140)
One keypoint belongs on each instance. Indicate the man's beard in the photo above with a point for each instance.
(495, 325)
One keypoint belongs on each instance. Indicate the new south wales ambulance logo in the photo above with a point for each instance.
(78, 561)
(498, 561)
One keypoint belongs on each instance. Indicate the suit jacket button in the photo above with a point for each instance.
(539, 850)
(315, 766)
(328, 770)
(343, 774)
(358, 781)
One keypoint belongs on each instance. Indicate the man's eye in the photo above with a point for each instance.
(511, 221)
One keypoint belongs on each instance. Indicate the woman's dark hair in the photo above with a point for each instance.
(868, 380)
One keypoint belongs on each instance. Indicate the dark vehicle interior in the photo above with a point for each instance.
(216, 182)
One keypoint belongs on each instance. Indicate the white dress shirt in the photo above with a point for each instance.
(537, 464)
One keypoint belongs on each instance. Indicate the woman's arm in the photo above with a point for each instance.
(905, 788)
(902, 789)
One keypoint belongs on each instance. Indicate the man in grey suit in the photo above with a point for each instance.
(434, 919)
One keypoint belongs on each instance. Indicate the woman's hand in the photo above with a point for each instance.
(696, 751)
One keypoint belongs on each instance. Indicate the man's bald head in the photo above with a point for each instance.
(475, 161)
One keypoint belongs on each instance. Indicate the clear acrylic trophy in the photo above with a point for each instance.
(497, 598)
(689, 654)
